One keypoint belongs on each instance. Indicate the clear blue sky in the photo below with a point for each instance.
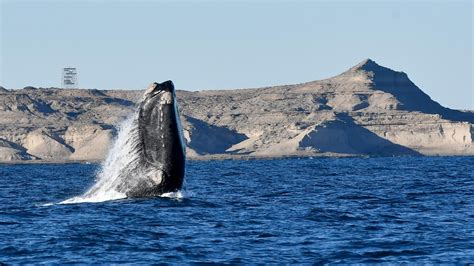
(222, 44)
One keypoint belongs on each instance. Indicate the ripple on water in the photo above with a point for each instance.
(320, 210)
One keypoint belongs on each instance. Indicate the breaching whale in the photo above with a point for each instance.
(148, 155)
(160, 147)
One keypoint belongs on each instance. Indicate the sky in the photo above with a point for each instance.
(236, 44)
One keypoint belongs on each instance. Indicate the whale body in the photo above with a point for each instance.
(158, 164)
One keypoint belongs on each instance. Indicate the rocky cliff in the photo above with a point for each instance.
(366, 110)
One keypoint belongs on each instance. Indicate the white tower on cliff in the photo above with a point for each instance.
(69, 78)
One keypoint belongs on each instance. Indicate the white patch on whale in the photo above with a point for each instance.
(166, 98)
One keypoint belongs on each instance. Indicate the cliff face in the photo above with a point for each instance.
(367, 110)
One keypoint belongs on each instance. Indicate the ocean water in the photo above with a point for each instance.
(320, 210)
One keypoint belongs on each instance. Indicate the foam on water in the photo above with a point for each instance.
(180, 194)
(100, 197)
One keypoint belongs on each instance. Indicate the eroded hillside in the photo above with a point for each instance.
(367, 110)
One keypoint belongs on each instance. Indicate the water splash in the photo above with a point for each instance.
(121, 156)
(121, 170)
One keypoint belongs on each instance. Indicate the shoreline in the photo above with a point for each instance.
(240, 158)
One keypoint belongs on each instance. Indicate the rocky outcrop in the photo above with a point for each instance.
(44, 146)
(339, 136)
(366, 110)
(12, 152)
(90, 142)
(204, 139)
(440, 138)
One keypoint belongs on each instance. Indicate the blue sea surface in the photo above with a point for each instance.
(321, 210)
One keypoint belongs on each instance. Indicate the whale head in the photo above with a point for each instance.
(163, 91)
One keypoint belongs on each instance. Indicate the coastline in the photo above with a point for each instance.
(238, 158)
